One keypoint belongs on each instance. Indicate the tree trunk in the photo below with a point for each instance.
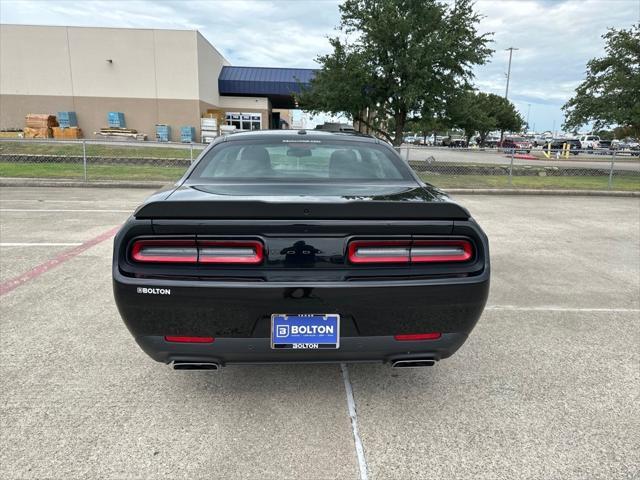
(400, 119)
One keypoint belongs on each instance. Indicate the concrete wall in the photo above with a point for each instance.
(154, 76)
(140, 113)
(210, 63)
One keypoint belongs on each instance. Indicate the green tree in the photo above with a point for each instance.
(404, 58)
(484, 112)
(427, 126)
(610, 95)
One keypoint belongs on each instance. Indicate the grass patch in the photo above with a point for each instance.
(620, 182)
(94, 172)
(152, 172)
(93, 150)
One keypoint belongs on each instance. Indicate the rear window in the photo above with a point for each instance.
(306, 160)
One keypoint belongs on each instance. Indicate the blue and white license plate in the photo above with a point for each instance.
(305, 332)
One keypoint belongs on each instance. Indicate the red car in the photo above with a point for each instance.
(517, 144)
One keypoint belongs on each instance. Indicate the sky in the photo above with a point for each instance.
(555, 38)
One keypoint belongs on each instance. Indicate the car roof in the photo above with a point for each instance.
(300, 135)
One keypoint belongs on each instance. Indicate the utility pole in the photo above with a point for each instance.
(510, 49)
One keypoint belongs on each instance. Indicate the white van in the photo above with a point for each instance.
(589, 142)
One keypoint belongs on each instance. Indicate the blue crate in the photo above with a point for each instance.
(67, 119)
(163, 133)
(187, 134)
(116, 119)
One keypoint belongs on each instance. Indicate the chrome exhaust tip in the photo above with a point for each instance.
(195, 366)
(414, 363)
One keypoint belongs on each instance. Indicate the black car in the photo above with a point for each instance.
(558, 145)
(300, 246)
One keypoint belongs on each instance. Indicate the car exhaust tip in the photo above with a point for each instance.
(195, 366)
(414, 363)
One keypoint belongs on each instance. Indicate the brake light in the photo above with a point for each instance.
(178, 339)
(433, 251)
(248, 252)
(165, 251)
(414, 337)
(374, 251)
(408, 251)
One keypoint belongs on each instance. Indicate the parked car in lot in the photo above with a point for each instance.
(558, 143)
(540, 141)
(285, 246)
(589, 142)
(454, 142)
(517, 144)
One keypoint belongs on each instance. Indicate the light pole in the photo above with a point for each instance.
(510, 49)
(528, 112)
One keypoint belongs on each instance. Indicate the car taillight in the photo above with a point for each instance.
(407, 251)
(179, 339)
(425, 251)
(416, 337)
(245, 252)
(164, 251)
(374, 251)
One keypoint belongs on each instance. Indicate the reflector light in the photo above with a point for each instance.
(407, 251)
(413, 337)
(178, 339)
(165, 251)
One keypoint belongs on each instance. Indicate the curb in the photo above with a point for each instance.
(35, 182)
(548, 192)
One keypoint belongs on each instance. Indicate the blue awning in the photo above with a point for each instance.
(276, 83)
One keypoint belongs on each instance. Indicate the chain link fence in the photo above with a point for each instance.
(536, 169)
(91, 160)
(447, 168)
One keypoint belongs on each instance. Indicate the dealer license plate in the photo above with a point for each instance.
(305, 331)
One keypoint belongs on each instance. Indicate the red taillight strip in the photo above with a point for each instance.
(246, 252)
(413, 337)
(426, 251)
(224, 251)
(372, 251)
(180, 339)
(164, 251)
(407, 251)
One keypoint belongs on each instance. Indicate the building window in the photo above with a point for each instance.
(244, 121)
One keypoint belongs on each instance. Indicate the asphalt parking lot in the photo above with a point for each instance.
(547, 386)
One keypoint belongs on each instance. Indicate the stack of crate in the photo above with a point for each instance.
(187, 134)
(67, 119)
(116, 120)
(117, 129)
(163, 132)
(68, 128)
(39, 125)
(208, 129)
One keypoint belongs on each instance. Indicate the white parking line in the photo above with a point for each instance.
(362, 463)
(19, 244)
(51, 210)
(559, 309)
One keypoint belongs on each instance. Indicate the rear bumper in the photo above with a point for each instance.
(238, 316)
(226, 351)
(243, 310)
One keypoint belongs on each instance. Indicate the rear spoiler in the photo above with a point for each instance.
(260, 210)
